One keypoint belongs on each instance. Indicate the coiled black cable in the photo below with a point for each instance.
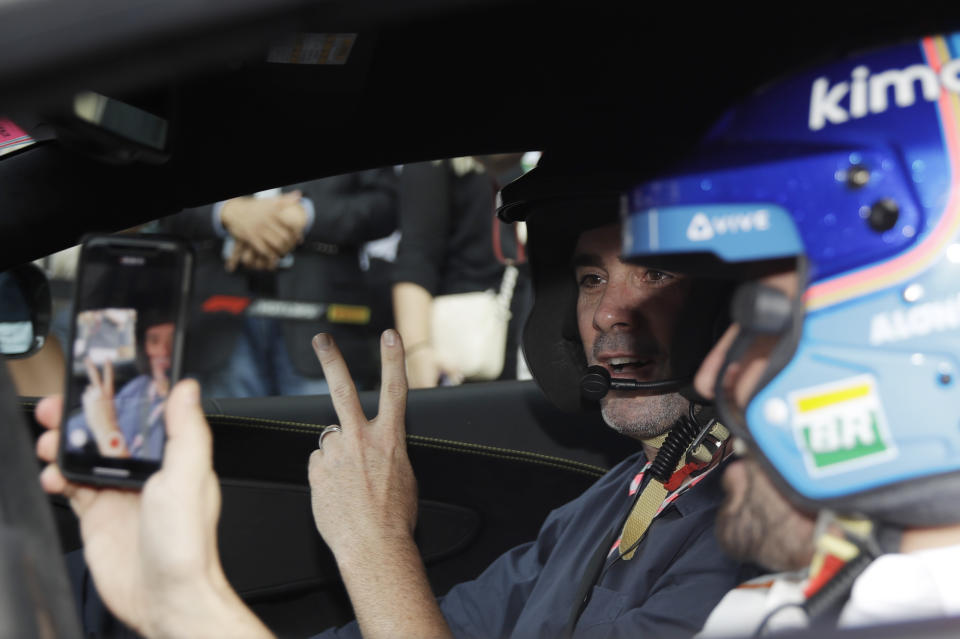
(675, 445)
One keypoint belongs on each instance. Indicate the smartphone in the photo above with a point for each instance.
(125, 354)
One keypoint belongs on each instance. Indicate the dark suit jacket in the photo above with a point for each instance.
(349, 210)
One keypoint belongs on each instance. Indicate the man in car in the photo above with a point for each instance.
(595, 568)
(590, 571)
(832, 199)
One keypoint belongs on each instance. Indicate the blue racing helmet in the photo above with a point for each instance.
(851, 172)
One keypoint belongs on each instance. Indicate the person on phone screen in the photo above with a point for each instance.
(129, 422)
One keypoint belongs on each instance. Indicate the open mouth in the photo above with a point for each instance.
(627, 365)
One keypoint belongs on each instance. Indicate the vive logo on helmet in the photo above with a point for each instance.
(866, 94)
(703, 228)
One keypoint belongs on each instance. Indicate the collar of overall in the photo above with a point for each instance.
(844, 547)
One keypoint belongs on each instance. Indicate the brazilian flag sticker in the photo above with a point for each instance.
(841, 426)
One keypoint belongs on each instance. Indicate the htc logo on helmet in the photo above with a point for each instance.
(866, 94)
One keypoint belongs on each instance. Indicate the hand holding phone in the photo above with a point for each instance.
(153, 554)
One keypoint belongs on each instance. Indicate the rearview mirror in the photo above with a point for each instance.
(24, 311)
(113, 131)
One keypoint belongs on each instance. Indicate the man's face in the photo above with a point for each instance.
(159, 348)
(626, 315)
(755, 522)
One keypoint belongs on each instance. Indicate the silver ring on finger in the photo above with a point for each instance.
(327, 431)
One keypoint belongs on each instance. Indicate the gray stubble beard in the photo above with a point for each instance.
(652, 417)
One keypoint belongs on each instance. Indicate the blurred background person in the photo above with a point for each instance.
(447, 223)
(295, 247)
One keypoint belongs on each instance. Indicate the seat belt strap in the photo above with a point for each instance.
(647, 505)
(642, 513)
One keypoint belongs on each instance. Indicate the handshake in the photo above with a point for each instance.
(264, 229)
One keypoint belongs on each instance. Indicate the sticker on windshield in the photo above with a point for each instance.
(314, 48)
(841, 426)
(12, 137)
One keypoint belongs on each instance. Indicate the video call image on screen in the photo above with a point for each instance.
(121, 377)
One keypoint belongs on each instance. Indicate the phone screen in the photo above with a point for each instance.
(127, 334)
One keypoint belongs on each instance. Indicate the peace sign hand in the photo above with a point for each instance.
(362, 485)
(365, 501)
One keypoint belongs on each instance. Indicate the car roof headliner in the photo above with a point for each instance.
(428, 79)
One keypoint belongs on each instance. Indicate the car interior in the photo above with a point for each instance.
(422, 80)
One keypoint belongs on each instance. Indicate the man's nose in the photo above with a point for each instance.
(616, 308)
